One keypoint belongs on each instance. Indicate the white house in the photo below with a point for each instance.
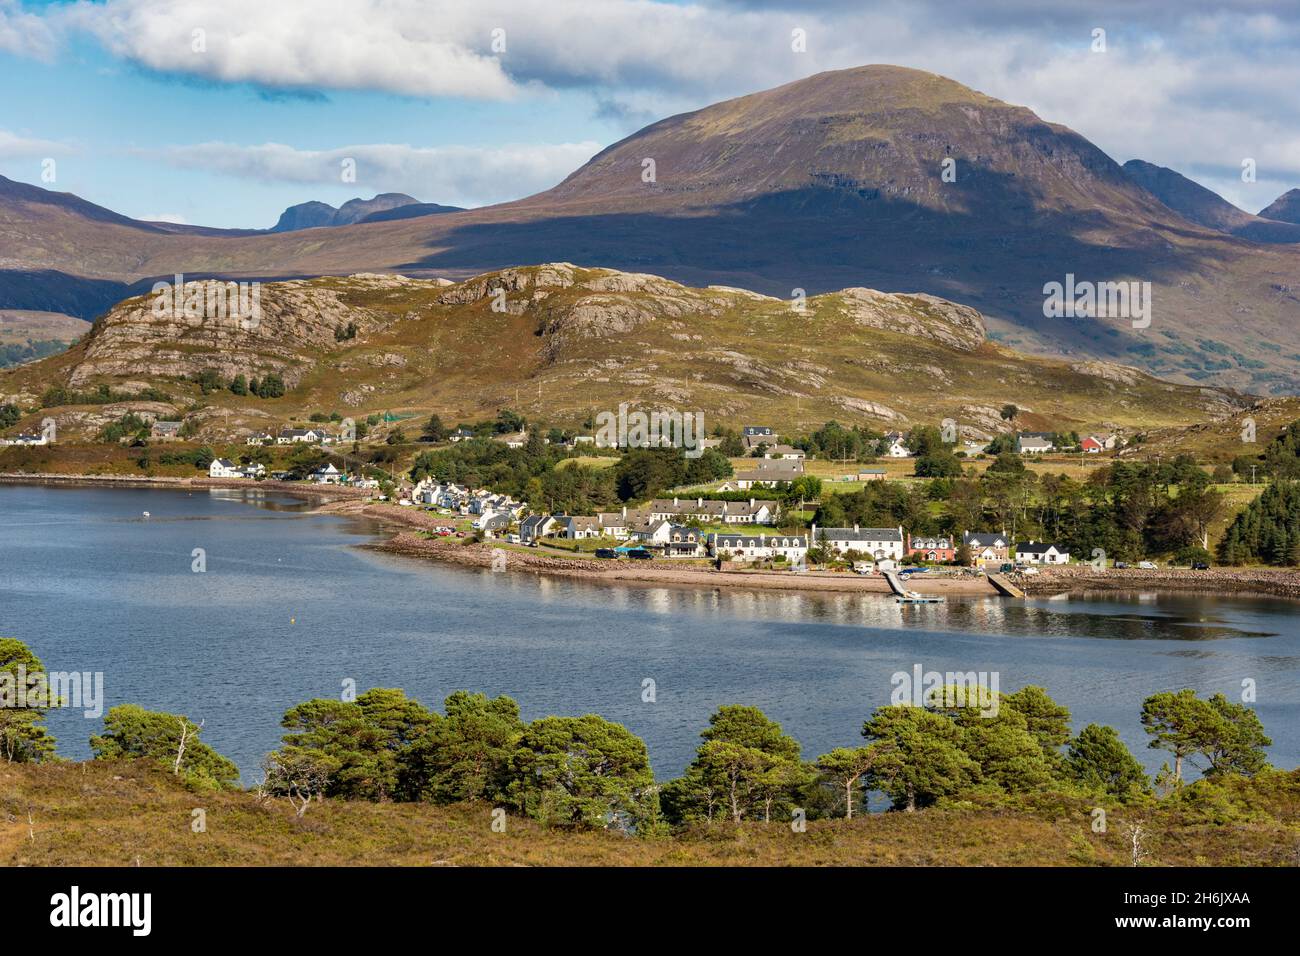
(1040, 552)
(784, 452)
(1033, 444)
(327, 475)
(754, 511)
(752, 547)
(897, 449)
(878, 543)
(575, 527)
(514, 439)
(613, 524)
(260, 438)
(767, 471)
(252, 472)
(223, 468)
(311, 436)
(654, 531)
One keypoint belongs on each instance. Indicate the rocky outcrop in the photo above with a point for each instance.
(924, 316)
(148, 337)
(1109, 372)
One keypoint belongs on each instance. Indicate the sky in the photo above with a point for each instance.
(224, 112)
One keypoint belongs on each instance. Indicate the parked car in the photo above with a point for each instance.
(513, 539)
(641, 554)
(1200, 566)
(606, 553)
(1121, 564)
(1147, 565)
(1028, 570)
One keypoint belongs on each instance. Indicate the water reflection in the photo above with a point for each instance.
(293, 600)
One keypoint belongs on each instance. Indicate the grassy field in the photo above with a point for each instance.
(102, 813)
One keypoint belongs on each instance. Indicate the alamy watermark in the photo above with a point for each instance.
(658, 429)
(51, 689)
(1099, 300)
(922, 688)
(211, 300)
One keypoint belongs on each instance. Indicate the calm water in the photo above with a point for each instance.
(290, 607)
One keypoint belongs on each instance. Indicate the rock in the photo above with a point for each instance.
(922, 315)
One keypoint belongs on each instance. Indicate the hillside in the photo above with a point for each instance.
(1285, 207)
(1206, 207)
(115, 813)
(571, 341)
(830, 182)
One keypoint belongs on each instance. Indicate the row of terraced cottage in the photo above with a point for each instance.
(666, 525)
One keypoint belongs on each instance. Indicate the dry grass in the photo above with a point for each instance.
(132, 813)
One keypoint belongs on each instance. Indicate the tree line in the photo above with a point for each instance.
(591, 773)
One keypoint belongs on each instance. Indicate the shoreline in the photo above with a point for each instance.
(402, 525)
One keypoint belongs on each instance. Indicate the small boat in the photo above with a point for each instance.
(145, 513)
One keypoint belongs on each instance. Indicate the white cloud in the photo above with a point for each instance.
(1204, 86)
(402, 46)
(450, 175)
(25, 34)
(13, 146)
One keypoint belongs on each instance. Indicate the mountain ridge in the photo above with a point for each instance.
(1206, 207)
(826, 183)
(382, 207)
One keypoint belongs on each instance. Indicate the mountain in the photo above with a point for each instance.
(305, 215)
(1285, 208)
(409, 211)
(355, 210)
(564, 341)
(384, 207)
(1206, 207)
(834, 181)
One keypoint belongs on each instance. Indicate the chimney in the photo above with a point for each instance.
(674, 502)
(855, 529)
(625, 512)
(751, 502)
(699, 503)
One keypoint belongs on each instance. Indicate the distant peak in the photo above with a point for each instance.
(1285, 208)
(315, 214)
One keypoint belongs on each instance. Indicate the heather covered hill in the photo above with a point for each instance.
(558, 342)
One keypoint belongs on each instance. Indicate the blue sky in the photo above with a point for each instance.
(469, 103)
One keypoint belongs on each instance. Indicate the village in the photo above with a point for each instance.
(752, 532)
